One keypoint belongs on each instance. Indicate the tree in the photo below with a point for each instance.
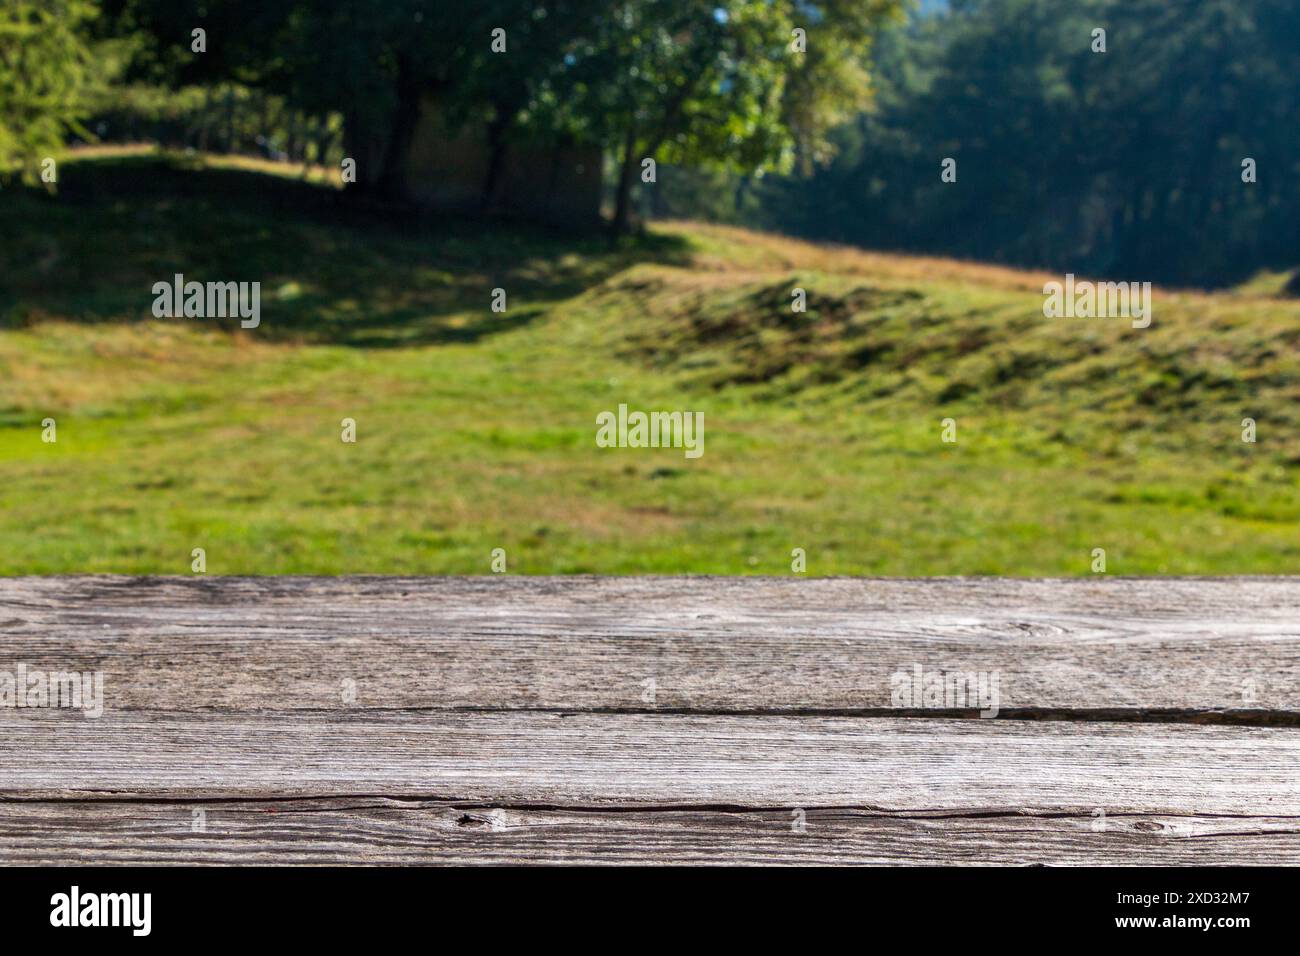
(715, 82)
(720, 83)
(691, 78)
(370, 60)
(43, 70)
(515, 92)
(830, 83)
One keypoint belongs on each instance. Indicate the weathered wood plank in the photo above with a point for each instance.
(708, 644)
(385, 831)
(638, 760)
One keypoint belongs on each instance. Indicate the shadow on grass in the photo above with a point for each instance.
(330, 270)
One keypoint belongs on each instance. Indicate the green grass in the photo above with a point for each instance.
(476, 430)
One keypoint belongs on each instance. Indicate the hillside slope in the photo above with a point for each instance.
(476, 430)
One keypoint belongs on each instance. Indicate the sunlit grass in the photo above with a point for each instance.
(476, 429)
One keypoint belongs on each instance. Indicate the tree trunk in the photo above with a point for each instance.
(324, 142)
(205, 120)
(496, 137)
(738, 197)
(626, 175)
(266, 124)
(359, 145)
(406, 116)
(295, 128)
(230, 121)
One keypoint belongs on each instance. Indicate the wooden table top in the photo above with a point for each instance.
(652, 720)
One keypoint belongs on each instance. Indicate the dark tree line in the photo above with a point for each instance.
(1127, 162)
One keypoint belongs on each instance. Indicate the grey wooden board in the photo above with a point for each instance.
(507, 720)
(661, 760)
(709, 644)
(387, 831)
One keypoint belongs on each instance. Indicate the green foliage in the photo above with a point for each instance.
(698, 79)
(710, 82)
(830, 83)
(43, 73)
(1123, 162)
(718, 84)
(219, 118)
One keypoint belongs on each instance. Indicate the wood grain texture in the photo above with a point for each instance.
(388, 831)
(709, 644)
(508, 720)
(631, 760)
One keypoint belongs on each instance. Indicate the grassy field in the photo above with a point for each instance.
(476, 429)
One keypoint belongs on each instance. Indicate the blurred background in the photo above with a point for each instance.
(648, 182)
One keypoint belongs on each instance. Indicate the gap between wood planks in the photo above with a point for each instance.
(473, 808)
(1229, 718)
